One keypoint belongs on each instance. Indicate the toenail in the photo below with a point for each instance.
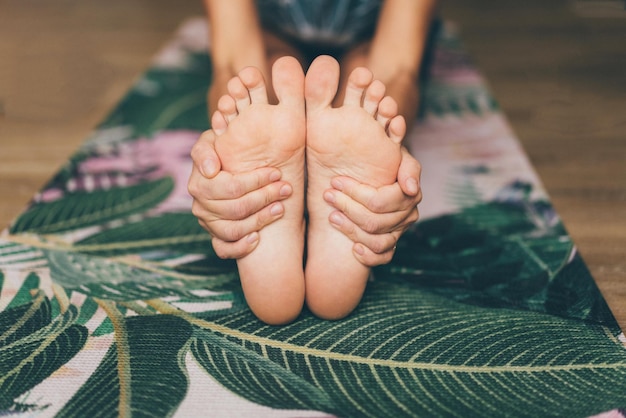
(329, 197)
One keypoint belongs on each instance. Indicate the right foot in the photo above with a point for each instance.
(252, 133)
(360, 139)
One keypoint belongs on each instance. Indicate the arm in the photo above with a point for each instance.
(376, 218)
(397, 48)
(236, 42)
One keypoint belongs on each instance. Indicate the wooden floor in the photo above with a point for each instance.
(558, 69)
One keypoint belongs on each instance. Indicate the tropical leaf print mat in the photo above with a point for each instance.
(113, 303)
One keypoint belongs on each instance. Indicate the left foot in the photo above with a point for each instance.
(252, 133)
(360, 139)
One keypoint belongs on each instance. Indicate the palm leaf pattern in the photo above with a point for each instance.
(416, 353)
(487, 311)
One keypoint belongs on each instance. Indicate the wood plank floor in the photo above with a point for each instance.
(558, 69)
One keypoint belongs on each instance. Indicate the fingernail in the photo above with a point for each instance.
(276, 209)
(209, 167)
(329, 197)
(253, 237)
(360, 250)
(337, 184)
(336, 219)
(411, 186)
(275, 176)
(285, 190)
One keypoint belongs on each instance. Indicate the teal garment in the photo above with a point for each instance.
(334, 24)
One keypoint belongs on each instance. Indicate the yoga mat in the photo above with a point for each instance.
(113, 303)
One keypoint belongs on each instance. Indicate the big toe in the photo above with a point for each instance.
(321, 83)
(288, 81)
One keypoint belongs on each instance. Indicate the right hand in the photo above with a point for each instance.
(233, 208)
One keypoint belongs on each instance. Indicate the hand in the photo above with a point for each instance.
(375, 218)
(233, 207)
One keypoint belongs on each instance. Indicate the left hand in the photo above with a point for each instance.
(375, 218)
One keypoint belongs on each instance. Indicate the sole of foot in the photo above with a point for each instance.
(360, 139)
(252, 133)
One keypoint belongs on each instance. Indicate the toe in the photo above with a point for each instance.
(373, 95)
(397, 129)
(239, 92)
(321, 83)
(252, 79)
(288, 81)
(218, 123)
(387, 109)
(227, 106)
(360, 78)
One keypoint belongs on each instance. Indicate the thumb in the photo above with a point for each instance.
(409, 173)
(204, 155)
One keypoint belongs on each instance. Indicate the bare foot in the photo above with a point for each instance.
(250, 134)
(360, 139)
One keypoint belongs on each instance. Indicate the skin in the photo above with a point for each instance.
(236, 206)
(253, 133)
(340, 140)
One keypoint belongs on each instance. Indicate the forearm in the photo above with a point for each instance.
(395, 56)
(236, 41)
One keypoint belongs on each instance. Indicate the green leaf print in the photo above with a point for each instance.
(82, 209)
(19, 256)
(499, 255)
(164, 99)
(179, 232)
(142, 374)
(410, 352)
(32, 347)
(236, 367)
(115, 280)
(23, 295)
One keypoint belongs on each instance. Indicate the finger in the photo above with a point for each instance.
(232, 186)
(409, 174)
(369, 221)
(237, 249)
(371, 259)
(204, 156)
(377, 243)
(248, 204)
(231, 231)
(378, 200)
(384, 199)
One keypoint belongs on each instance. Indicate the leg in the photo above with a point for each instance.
(360, 139)
(252, 133)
